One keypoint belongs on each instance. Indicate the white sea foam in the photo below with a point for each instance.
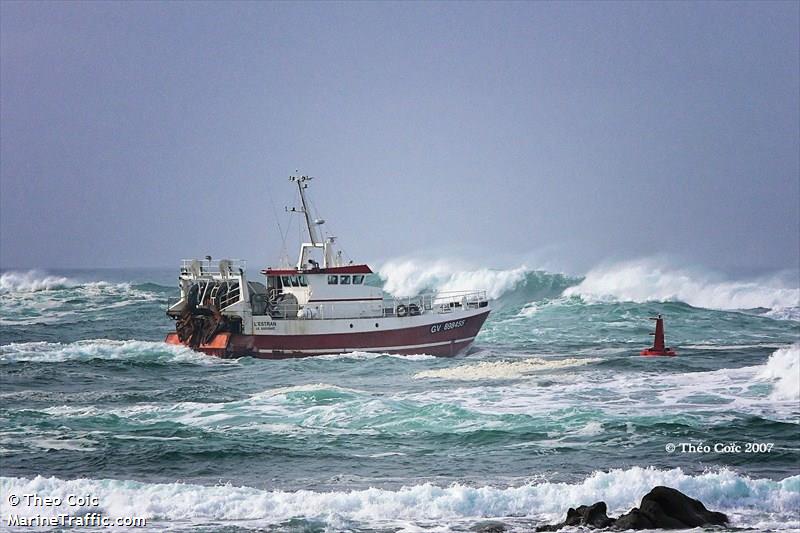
(769, 390)
(32, 281)
(82, 445)
(728, 347)
(736, 385)
(285, 410)
(733, 389)
(763, 390)
(784, 313)
(406, 277)
(56, 352)
(501, 369)
(748, 501)
(591, 429)
(362, 356)
(532, 308)
(783, 368)
(652, 280)
(309, 387)
(529, 309)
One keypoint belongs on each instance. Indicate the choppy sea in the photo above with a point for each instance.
(551, 408)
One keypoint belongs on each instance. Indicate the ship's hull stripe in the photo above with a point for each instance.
(381, 348)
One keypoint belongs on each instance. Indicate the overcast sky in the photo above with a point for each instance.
(136, 134)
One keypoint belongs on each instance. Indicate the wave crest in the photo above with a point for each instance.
(783, 367)
(32, 281)
(647, 280)
(748, 501)
(404, 278)
(31, 298)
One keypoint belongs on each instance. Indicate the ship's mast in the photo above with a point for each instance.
(301, 187)
(316, 242)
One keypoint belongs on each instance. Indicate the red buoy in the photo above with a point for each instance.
(658, 347)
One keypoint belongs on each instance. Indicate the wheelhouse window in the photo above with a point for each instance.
(302, 280)
(358, 280)
(333, 280)
(285, 281)
(295, 282)
(344, 280)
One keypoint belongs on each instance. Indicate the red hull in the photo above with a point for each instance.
(427, 339)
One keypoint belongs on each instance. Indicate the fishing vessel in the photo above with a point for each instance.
(318, 306)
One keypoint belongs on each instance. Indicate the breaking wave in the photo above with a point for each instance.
(31, 298)
(784, 313)
(749, 502)
(56, 352)
(403, 278)
(501, 369)
(32, 281)
(648, 280)
(639, 281)
(783, 368)
(23, 283)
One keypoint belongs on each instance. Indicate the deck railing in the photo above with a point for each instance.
(433, 303)
(212, 267)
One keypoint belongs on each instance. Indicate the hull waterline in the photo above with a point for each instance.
(431, 339)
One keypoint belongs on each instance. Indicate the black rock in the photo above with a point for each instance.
(594, 515)
(661, 508)
(672, 509)
(634, 519)
(586, 515)
(659, 518)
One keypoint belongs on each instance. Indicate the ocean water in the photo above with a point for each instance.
(551, 408)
